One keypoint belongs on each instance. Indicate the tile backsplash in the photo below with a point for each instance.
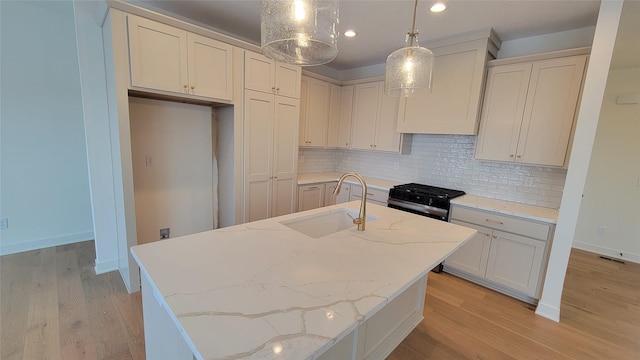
(447, 161)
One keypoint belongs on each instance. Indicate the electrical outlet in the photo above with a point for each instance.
(396, 165)
(148, 160)
(164, 233)
(301, 158)
(602, 230)
(4, 223)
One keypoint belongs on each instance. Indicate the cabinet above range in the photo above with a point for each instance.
(453, 105)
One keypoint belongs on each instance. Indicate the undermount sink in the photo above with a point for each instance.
(325, 223)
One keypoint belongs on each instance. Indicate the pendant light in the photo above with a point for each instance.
(300, 32)
(408, 70)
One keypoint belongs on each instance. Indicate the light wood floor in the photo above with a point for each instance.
(53, 306)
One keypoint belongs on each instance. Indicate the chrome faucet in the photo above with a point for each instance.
(362, 216)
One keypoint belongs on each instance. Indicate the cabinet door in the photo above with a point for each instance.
(287, 80)
(210, 70)
(346, 113)
(344, 195)
(304, 103)
(285, 154)
(157, 55)
(502, 112)
(333, 126)
(515, 261)
(259, 73)
(365, 113)
(472, 256)
(387, 138)
(453, 104)
(329, 198)
(316, 113)
(310, 197)
(552, 99)
(258, 156)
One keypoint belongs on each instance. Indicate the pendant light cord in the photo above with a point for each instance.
(413, 33)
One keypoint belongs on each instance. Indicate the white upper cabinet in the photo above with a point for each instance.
(453, 105)
(265, 75)
(314, 112)
(340, 109)
(374, 120)
(529, 110)
(163, 58)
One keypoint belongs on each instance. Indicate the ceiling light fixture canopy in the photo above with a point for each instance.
(300, 32)
(408, 70)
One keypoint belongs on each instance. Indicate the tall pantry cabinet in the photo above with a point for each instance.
(271, 117)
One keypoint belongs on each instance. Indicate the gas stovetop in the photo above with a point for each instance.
(424, 194)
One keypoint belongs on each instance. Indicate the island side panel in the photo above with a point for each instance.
(161, 337)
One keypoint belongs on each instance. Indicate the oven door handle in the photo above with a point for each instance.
(419, 207)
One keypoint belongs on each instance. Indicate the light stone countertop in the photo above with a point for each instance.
(237, 292)
(314, 178)
(526, 211)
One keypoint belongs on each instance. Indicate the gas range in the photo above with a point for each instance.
(424, 200)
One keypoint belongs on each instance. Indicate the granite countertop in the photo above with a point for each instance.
(526, 211)
(239, 291)
(313, 178)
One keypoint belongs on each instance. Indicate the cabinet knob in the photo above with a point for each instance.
(518, 156)
(346, 144)
(510, 155)
(495, 236)
(192, 87)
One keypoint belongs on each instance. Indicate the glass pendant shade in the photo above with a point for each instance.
(300, 32)
(408, 71)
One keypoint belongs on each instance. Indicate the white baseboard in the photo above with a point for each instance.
(6, 249)
(106, 266)
(550, 312)
(612, 253)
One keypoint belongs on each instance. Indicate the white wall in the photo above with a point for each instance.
(172, 152)
(612, 191)
(44, 176)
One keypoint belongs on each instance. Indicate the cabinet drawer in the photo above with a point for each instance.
(375, 195)
(501, 222)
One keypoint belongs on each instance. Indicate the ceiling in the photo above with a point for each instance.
(382, 24)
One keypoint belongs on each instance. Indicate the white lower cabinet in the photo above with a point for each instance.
(375, 196)
(314, 196)
(310, 197)
(509, 254)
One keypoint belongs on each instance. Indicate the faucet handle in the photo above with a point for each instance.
(356, 221)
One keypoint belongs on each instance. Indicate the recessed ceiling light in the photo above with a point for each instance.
(349, 33)
(438, 7)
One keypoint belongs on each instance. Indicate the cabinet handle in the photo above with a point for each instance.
(495, 221)
(486, 234)
(313, 188)
(510, 155)
(369, 194)
(346, 144)
(275, 177)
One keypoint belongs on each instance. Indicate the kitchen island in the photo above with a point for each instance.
(263, 290)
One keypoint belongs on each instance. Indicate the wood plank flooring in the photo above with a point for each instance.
(53, 306)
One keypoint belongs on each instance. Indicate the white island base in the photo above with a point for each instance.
(375, 338)
(263, 290)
